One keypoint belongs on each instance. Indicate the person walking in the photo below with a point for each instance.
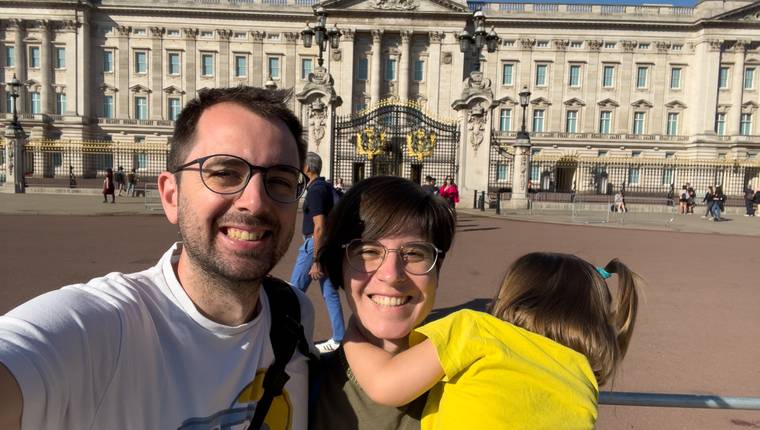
(708, 201)
(316, 207)
(749, 201)
(683, 200)
(429, 186)
(185, 344)
(620, 202)
(718, 206)
(109, 187)
(120, 180)
(450, 192)
(691, 200)
(131, 182)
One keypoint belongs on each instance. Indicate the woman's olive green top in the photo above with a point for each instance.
(342, 405)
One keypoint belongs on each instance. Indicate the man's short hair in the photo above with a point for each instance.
(313, 162)
(428, 178)
(269, 104)
(384, 206)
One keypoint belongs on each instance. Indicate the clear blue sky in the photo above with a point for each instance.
(664, 2)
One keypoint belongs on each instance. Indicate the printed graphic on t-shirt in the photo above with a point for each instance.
(239, 414)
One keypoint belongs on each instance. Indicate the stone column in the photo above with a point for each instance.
(375, 77)
(403, 70)
(588, 116)
(558, 88)
(73, 57)
(708, 56)
(290, 75)
(19, 49)
(224, 57)
(257, 60)
(320, 101)
(14, 160)
(124, 69)
(84, 86)
(157, 104)
(46, 69)
(660, 79)
(520, 172)
(434, 70)
(737, 88)
(345, 77)
(628, 73)
(190, 72)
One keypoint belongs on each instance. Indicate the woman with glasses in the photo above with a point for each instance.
(385, 244)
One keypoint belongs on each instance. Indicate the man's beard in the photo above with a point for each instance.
(205, 255)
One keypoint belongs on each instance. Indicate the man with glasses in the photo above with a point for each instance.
(316, 207)
(184, 344)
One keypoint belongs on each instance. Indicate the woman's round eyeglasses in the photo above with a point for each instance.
(367, 256)
(229, 174)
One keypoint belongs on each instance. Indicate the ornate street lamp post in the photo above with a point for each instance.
(524, 100)
(321, 84)
(475, 42)
(321, 34)
(14, 150)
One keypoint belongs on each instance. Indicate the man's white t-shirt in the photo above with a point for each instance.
(133, 352)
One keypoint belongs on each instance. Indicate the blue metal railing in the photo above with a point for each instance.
(659, 400)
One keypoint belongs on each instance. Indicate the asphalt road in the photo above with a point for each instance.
(698, 326)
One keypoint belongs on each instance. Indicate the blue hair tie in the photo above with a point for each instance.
(605, 274)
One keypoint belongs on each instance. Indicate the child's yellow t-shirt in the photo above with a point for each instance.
(500, 376)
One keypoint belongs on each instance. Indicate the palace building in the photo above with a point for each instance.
(624, 96)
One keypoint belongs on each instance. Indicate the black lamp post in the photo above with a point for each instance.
(524, 100)
(480, 38)
(13, 89)
(322, 35)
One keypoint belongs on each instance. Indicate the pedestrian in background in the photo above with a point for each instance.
(108, 186)
(691, 200)
(131, 182)
(450, 192)
(708, 201)
(429, 186)
(749, 201)
(119, 177)
(683, 199)
(317, 205)
(719, 201)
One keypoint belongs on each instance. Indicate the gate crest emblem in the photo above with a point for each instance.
(421, 144)
(370, 142)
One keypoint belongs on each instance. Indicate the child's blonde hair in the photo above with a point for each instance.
(566, 299)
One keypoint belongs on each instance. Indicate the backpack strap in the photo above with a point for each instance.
(286, 334)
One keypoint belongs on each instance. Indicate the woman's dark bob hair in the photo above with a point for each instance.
(380, 207)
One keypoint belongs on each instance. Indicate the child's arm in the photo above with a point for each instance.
(388, 379)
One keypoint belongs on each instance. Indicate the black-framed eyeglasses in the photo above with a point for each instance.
(229, 174)
(367, 256)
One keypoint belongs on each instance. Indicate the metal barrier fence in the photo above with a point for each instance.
(660, 400)
(83, 164)
(642, 177)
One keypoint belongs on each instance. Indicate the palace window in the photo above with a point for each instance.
(633, 176)
(608, 76)
(506, 74)
(575, 76)
(174, 108)
(749, 78)
(723, 78)
(107, 106)
(141, 62)
(307, 66)
(745, 125)
(60, 58)
(174, 64)
(361, 69)
(108, 61)
(241, 66)
(419, 70)
(571, 121)
(390, 69)
(10, 56)
(538, 120)
(207, 64)
(505, 120)
(541, 74)
(36, 106)
(60, 104)
(274, 67)
(641, 76)
(605, 121)
(667, 176)
(720, 124)
(672, 128)
(502, 172)
(141, 107)
(675, 78)
(34, 57)
(638, 122)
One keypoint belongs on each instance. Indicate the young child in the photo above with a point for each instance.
(555, 335)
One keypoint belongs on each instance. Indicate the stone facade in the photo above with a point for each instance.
(605, 79)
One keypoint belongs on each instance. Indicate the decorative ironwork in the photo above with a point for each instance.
(421, 144)
(394, 138)
(370, 142)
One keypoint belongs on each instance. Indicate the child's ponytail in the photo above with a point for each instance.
(623, 316)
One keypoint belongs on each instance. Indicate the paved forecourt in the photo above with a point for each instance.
(696, 333)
